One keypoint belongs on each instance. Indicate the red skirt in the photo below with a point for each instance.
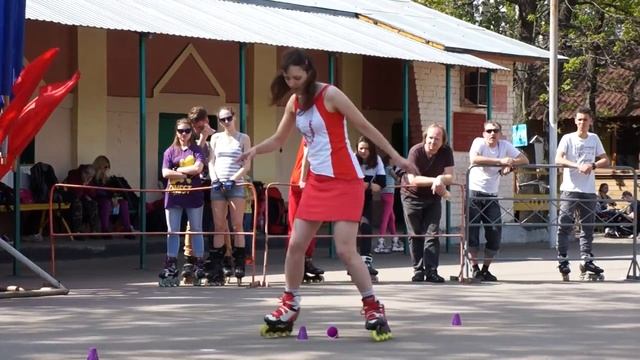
(329, 199)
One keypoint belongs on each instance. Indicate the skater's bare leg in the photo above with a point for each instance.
(301, 235)
(345, 234)
(219, 208)
(237, 207)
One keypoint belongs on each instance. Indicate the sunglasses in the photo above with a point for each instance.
(184, 131)
(490, 131)
(227, 119)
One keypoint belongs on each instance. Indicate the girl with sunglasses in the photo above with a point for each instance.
(182, 164)
(333, 190)
(227, 195)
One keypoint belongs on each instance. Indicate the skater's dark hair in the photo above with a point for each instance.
(585, 110)
(197, 113)
(372, 161)
(279, 87)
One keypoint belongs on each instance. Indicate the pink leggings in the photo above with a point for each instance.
(388, 220)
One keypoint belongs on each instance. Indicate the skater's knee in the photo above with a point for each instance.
(296, 248)
(347, 256)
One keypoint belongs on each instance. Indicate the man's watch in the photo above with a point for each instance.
(593, 166)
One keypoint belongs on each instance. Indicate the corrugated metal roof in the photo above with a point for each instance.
(431, 25)
(232, 21)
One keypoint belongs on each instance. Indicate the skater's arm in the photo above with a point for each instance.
(279, 137)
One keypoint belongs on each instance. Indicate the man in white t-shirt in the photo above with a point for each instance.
(581, 152)
(483, 189)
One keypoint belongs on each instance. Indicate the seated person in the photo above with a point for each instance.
(623, 217)
(604, 204)
(109, 202)
(84, 208)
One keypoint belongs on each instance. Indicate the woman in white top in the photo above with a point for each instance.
(374, 180)
(227, 193)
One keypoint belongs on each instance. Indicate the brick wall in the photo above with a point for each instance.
(430, 93)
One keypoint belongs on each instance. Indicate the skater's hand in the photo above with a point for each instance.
(248, 155)
(585, 168)
(228, 185)
(508, 161)
(506, 170)
(438, 187)
(301, 184)
(216, 185)
(406, 165)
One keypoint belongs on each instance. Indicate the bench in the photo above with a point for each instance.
(44, 208)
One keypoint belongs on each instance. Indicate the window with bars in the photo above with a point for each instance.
(475, 87)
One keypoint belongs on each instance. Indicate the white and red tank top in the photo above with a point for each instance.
(325, 132)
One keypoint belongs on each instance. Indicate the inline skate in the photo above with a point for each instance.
(312, 274)
(213, 268)
(188, 274)
(280, 322)
(563, 267)
(238, 259)
(169, 275)
(590, 271)
(227, 268)
(368, 260)
(375, 319)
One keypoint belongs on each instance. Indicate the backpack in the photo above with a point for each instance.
(277, 212)
(42, 180)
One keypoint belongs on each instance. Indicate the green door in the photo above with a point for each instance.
(166, 133)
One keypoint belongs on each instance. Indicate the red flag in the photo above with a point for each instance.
(24, 87)
(33, 117)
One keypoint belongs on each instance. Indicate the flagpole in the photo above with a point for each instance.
(553, 124)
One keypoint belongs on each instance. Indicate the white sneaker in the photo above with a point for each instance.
(398, 246)
(381, 248)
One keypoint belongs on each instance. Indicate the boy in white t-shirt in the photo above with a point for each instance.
(483, 189)
(581, 152)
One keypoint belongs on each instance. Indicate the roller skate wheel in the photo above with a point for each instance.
(374, 279)
(264, 330)
(565, 277)
(379, 336)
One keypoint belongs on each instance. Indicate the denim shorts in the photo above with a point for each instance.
(236, 193)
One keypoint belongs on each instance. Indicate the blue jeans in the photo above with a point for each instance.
(174, 218)
(571, 204)
(485, 209)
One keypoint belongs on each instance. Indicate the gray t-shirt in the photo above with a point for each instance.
(486, 179)
(581, 151)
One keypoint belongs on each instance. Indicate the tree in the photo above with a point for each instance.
(594, 35)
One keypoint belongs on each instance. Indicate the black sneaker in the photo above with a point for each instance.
(487, 276)
(477, 274)
(432, 276)
(418, 276)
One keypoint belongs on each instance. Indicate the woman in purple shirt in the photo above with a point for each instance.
(182, 163)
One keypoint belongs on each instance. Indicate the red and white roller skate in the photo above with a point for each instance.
(280, 322)
(375, 319)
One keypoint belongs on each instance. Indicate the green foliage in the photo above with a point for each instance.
(594, 35)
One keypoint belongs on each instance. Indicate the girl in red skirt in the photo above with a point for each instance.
(333, 190)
